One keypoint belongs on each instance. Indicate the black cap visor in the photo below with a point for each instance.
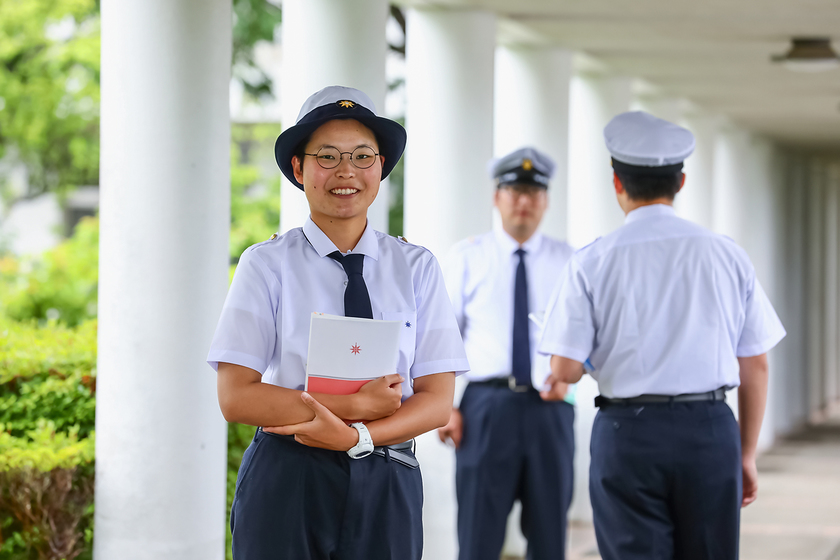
(522, 176)
(390, 135)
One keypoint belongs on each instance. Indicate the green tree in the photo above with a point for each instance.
(49, 85)
(49, 90)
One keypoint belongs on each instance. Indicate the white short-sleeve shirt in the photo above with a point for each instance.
(279, 283)
(480, 276)
(660, 306)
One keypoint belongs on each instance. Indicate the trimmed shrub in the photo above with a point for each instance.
(47, 404)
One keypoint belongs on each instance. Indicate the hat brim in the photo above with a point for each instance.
(390, 135)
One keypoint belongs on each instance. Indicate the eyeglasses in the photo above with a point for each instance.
(518, 189)
(330, 158)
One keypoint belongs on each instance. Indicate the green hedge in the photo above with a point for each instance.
(47, 386)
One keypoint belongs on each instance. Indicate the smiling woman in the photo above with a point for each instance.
(310, 485)
(339, 195)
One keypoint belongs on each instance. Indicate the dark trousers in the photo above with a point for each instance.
(295, 502)
(665, 481)
(514, 446)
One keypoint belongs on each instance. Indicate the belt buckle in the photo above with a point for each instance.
(514, 387)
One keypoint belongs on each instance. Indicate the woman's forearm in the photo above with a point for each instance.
(427, 409)
(243, 398)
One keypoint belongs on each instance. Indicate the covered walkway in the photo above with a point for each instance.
(797, 515)
(481, 77)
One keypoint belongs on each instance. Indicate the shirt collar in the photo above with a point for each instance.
(510, 245)
(322, 244)
(649, 211)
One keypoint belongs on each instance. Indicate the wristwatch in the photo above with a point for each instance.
(365, 445)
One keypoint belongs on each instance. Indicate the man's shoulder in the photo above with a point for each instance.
(473, 244)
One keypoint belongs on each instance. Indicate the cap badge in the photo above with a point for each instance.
(527, 165)
(346, 104)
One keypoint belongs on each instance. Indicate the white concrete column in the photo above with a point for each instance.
(592, 212)
(835, 343)
(694, 202)
(745, 209)
(830, 250)
(449, 114)
(532, 109)
(165, 210)
(593, 209)
(331, 43)
(815, 286)
(448, 196)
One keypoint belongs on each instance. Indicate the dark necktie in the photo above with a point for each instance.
(356, 297)
(521, 341)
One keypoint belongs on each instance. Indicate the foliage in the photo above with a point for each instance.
(49, 84)
(254, 201)
(47, 400)
(47, 373)
(49, 90)
(61, 285)
(239, 438)
(254, 20)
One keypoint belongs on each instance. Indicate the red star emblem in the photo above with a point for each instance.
(355, 349)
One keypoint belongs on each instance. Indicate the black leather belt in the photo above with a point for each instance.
(711, 396)
(508, 382)
(394, 452)
(397, 453)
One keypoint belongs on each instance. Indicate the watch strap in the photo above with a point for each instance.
(365, 445)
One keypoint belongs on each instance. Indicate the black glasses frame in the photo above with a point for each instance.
(341, 157)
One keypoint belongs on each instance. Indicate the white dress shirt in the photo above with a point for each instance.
(279, 283)
(660, 306)
(480, 276)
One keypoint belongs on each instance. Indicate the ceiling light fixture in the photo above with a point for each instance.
(809, 55)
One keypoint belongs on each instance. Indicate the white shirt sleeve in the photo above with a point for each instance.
(246, 334)
(762, 328)
(569, 328)
(438, 347)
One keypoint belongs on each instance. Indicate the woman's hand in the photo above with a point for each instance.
(326, 430)
(379, 398)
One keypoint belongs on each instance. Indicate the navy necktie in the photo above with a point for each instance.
(356, 296)
(521, 340)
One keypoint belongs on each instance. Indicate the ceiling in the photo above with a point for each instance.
(713, 53)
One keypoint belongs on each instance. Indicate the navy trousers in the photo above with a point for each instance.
(665, 481)
(295, 502)
(514, 446)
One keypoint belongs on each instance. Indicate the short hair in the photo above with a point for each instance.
(643, 187)
(300, 151)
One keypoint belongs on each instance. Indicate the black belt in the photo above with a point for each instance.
(394, 452)
(711, 396)
(397, 453)
(508, 382)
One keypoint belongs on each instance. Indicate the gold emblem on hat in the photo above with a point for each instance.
(273, 236)
(346, 104)
(527, 165)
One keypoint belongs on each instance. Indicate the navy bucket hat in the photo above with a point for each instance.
(339, 102)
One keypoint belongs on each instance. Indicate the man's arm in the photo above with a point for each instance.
(564, 371)
(245, 399)
(752, 398)
(428, 408)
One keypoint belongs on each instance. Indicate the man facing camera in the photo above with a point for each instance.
(510, 442)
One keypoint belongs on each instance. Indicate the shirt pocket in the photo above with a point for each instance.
(407, 338)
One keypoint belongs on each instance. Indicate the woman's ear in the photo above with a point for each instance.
(297, 169)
